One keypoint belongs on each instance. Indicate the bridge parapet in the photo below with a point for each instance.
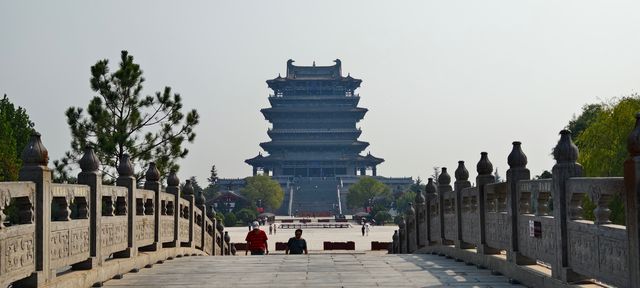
(510, 225)
(48, 231)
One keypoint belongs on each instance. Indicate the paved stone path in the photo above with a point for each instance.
(371, 269)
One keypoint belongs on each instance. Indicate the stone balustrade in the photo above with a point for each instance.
(57, 231)
(509, 226)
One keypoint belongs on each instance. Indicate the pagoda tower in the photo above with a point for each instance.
(314, 111)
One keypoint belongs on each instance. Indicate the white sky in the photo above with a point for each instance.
(443, 80)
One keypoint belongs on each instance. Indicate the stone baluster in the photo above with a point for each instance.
(402, 236)
(411, 228)
(35, 159)
(566, 155)
(92, 177)
(152, 182)
(444, 186)
(173, 188)
(219, 235)
(518, 171)
(200, 200)
(430, 191)
(421, 228)
(188, 194)
(484, 168)
(632, 203)
(211, 213)
(127, 180)
(462, 182)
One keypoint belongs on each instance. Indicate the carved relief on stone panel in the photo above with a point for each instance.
(184, 229)
(18, 252)
(582, 250)
(166, 228)
(59, 244)
(497, 230)
(79, 241)
(144, 228)
(613, 257)
(113, 234)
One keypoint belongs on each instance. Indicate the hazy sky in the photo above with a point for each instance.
(443, 80)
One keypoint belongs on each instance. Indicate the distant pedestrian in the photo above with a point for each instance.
(274, 228)
(256, 241)
(362, 230)
(296, 244)
(367, 228)
(270, 229)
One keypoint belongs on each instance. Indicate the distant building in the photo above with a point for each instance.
(314, 152)
(227, 201)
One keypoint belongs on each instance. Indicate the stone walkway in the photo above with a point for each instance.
(371, 269)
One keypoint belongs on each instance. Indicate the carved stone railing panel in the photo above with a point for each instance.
(69, 238)
(434, 220)
(599, 251)
(450, 219)
(197, 226)
(183, 220)
(167, 208)
(596, 248)
(497, 220)
(17, 248)
(145, 221)
(538, 244)
(113, 235)
(209, 234)
(470, 216)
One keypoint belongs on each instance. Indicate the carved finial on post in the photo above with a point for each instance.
(89, 161)
(200, 199)
(444, 178)
(188, 188)
(517, 158)
(633, 141)
(152, 174)
(484, 166)
(35, 154)
(462, 174)
(419, 199)
(125, 168)
(211, 212)
(173, 180)
(565, 151)
(430, 189)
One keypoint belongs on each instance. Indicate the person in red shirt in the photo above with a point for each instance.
(256, 241)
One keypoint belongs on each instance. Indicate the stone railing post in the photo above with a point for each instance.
(484, 168)
(421, 219)
(211, 214)
(92, 177)
(430, 191)
(227, 243)
(402, 236)
(35, 159)
(566, 155)
(188, 194)
(632, 203)
(127, 180)
(203, 229)
(152, 182)
(173, 188)
(462, 181)
(444, 186)
(219, 235)
(517, 161)
(411, 229)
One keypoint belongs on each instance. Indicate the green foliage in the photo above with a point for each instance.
(402, 203)
(366, 188)
(417, 185)
(544, 175)
(246, 215)
(121, 121)
(212, 190)
(382, 217)
(219, 216)
(230, 219)
(603, 144)
(578, 124)
(261, 187)
(15, 130)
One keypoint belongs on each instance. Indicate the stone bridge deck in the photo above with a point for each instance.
(314, 270)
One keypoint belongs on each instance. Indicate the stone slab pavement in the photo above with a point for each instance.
(359, 269)
(316, 236)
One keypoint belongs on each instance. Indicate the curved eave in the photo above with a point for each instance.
(352, 100)
(349, 81)
(352, 113)
(279, 145)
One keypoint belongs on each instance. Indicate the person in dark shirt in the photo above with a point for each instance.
(297, 244)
